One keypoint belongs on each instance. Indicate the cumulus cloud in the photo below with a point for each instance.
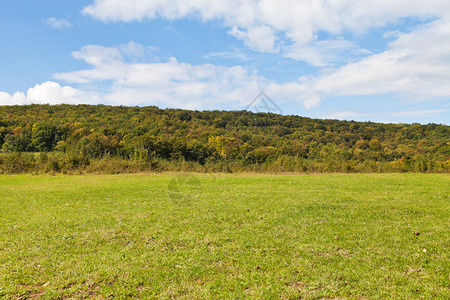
(133, 49)
(412, 66)
(326, 52)
(287, 15)
(170, 83)
(49, 93)
(53, 93)
(261, 38)
(259, 23)
(98, 55)
(58, 23)
(176, 84)
(415, 66)
(17, 98)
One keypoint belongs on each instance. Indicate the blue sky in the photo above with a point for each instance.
(383, 61)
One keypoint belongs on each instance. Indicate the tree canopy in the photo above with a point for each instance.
(78, 135)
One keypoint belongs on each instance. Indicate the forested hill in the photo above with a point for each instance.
(98, 138)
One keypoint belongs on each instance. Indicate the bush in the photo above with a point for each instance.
(16, 163)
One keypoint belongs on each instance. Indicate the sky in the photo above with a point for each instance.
(363, 60)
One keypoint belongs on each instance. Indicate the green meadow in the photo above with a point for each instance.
(222, 236)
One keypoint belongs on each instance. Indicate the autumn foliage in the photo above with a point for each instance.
(118, 139)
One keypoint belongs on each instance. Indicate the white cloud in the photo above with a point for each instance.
(415, 66)
(52, 93)
(325, 52)
(98, 55)
(132, 49)
(345, 115)
(58, 23)
(17, 98)
(292, 91)
(169, 83)
(420, 113)
(49, 93)
(176, 84)
(233, 54)
(258, 22)
(261, 38)
(412, 66)
(286, 15)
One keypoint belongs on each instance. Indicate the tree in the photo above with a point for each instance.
(375, 145)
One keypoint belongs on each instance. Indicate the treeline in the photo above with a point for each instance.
(116, 139)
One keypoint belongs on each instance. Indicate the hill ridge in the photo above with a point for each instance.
(219, 140)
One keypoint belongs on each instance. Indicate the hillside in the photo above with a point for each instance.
(113, 139)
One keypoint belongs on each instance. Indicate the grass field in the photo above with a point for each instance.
(362, 236)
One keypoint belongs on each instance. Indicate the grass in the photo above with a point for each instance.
(362, 236)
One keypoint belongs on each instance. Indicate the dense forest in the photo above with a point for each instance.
(116, 139)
